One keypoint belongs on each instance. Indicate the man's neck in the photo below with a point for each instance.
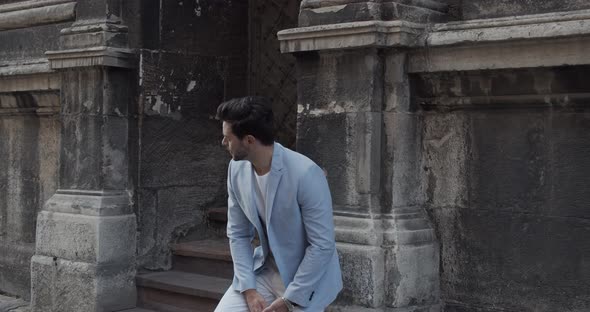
(262, 160)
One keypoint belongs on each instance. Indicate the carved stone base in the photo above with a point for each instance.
(85, 253)
(389, 264)
(68, 286)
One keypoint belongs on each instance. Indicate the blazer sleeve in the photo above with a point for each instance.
(315, 202)
(240, 233)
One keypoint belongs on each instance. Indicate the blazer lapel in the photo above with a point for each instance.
(276, 172)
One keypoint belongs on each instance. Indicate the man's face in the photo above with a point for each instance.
(237, 148)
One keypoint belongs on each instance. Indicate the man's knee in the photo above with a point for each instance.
(232, 301)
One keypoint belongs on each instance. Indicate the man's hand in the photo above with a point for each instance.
(255, 301)
(277, 306)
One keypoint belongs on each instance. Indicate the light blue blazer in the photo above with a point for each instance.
(300, 228)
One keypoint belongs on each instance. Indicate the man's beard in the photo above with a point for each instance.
(240, 154)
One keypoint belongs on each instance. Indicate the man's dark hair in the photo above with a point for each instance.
(251, 115)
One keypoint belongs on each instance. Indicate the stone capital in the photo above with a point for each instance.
(92, 56)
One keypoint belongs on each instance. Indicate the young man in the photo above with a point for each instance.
(284, 197)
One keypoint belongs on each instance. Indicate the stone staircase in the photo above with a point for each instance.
(201, 273)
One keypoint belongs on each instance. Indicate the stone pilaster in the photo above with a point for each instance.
(355, 119)
(85, 249)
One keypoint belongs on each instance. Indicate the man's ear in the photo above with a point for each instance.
(250, 139)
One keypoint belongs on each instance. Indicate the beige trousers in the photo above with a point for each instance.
(268, 284)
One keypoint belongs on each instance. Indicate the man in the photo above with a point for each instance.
(284, 197)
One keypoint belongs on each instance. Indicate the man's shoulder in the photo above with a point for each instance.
(297, 162)
(236, 167)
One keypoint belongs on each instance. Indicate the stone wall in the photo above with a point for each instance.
(29, 147)
(505, 172)
(193, 56)
(271, 73)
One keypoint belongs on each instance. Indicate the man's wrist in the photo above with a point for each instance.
(290, 305)
(248, 291)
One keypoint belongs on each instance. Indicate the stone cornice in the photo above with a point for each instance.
(33, 13)
(427, 4)
(351, 35)
(542, 40)
(29, 67)
(94, 56)
(541, 26)
(40, 103)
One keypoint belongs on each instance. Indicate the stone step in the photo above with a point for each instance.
(177, 291)
(137, 310)
(218, 214)
(206, 257)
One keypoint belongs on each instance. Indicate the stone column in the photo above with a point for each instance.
(355, 119)
(85, 250)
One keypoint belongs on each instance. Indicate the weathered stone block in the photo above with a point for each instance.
(363, 275)
(412, 276)
(403, 135)
(113, 101)
(444, 159)
(477, 244)
(339, 82)
(147, 229)
(81, 238)
(508, 168)
(175, 85)
(15, 261)
(97, 140)
(69, 286)
(192, 151)
(186, 25)
(568, 166)
(30, 44)
(28, 147)
(351, 158)
(27, 176)
(396, 87)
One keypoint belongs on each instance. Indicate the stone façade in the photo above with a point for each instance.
(447, 145)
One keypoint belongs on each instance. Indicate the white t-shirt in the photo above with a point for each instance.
(261, 190)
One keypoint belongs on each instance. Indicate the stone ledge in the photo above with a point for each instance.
(502, 55)
(542, 26)
(19, 81)
(90, 203)
(427, 4)
(30, 67)
(543, 40)
(25, 5)
(94, 56)
(33, 13)
(351, 35)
